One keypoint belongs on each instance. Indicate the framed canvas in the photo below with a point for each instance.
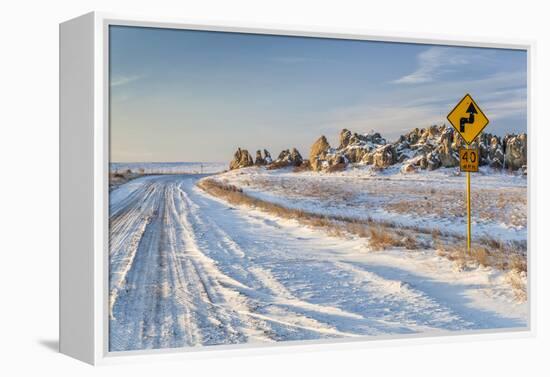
(227, 189)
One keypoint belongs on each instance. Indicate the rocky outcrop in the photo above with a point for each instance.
(318, 153)
(515, 151)
(422, 148)
(384, 156)
(345, 136)
(262, 160)
(241, 159)
(353, 148)
(408, 169)
(289, 158)
(447, 155)
(267, 157)
(493, 153)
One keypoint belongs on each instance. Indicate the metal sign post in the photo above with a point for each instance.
(469, 162)
(468, 120)
(469, 215)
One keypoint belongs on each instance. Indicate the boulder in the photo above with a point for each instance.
(368, 159)
(384, 156)
(408, 169)
(289, 158)
(494, 155)
(345, 136)
(434, 132)
(260, 161)
(433, 160)
(267, 157)
(296, 157)
(241, 159)
(354, 155)
(413, 136)
(484, 141)
(515, 151)
(284, 155)
(318, 153)
(355, 146)
(423, 162)
(448, 156)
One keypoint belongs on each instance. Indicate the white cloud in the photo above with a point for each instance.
(123, 80)
(435, 62)
(501, 95)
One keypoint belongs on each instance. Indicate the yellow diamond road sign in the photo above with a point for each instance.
(468, 119)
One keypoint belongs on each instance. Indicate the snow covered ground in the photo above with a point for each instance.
(427, 199)
(187, 269)
(168, 167)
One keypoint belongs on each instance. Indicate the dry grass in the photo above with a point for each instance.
(228, 188)
(118, 178)
(518, 263)
(481, 255)
(517, 280)
(382, 235)
(381, 238)
(410, 243)
(505, 205)
(487, 253)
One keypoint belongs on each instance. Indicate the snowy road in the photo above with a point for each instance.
(187, 269)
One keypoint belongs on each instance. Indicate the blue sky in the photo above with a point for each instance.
(180, 95)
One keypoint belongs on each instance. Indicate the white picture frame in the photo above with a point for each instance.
(84, 141)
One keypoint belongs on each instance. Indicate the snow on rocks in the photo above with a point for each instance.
(241, 159)
(428, 148)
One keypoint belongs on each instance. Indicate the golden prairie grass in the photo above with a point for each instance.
(382, 235)
(500, 255)
(517, 280)
(380, 238)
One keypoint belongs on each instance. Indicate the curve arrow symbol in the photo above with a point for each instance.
(463, 121)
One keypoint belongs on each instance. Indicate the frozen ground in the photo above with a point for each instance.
(186, 269)
(168, 167)
(426, 199)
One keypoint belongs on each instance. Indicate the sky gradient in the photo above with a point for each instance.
(181, 95)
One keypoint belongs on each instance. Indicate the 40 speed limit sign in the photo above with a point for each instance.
(469, 160)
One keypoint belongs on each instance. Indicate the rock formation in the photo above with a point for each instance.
(260, 161)
(289, 158)
(318, 153)
(515, 151)
(384, 156)
(421, 148)
(426, 148)
(267, 157)
(241, 159)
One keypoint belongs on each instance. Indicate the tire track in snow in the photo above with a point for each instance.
(187, 269)
(294, 320)
(436, 300)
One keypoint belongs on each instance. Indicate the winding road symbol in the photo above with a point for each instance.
(468, 119)
(463, 121)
